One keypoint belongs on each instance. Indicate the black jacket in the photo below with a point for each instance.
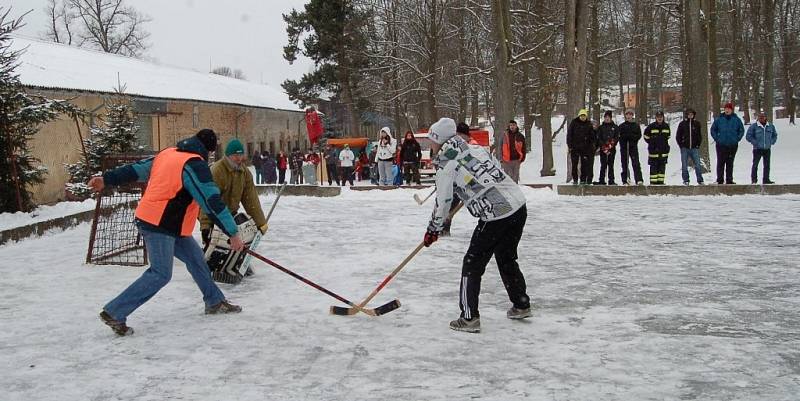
(581, 137)
(630, 131)
(607, 136)
(657, 137)
(410, 151)
(688, 135)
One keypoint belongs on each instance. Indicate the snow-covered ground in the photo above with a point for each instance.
(646, 298)
(44, 213)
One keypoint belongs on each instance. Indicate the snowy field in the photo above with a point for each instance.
(636, 298)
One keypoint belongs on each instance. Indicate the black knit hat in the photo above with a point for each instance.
(512, 122)
(608, 113)
(660, 113)
(690, 111)
(208, 138)
(462, 128)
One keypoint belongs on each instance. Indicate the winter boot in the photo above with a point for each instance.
(469, 326)
(223, 307)
(120, 328)
(515, 313)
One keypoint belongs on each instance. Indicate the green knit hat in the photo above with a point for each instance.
(234, 148)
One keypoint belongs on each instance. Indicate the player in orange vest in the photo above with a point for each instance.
(179, 184)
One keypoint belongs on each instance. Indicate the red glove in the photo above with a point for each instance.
(430, 238)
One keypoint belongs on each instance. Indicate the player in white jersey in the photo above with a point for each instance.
(472, 174)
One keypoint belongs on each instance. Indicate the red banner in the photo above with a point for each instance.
(313, 126)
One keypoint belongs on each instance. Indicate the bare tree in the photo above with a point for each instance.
(60, 22)
(108, 25)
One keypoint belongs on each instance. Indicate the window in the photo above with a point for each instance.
(249, 148)
(261, 145)
(287, 124)
(271, 147)
(297, 144)
(195, 116)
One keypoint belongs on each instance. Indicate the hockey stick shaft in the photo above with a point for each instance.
(277, 198)
(303, 279)
(400, 266)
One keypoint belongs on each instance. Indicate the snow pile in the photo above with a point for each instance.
(44, 213)
(53, 65)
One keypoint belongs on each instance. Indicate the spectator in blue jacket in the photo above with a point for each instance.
(727, 130)
(762, 134)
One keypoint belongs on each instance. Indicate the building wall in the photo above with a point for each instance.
(57, 143)
(166, 122)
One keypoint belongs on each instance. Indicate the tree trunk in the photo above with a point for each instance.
(739, 80)
(462, 80)
(594, 91)
(576, 28)
(768, 57)
(786, 62)
(697, 57)
(757, 43)
(716, 89)
(545, 108)
(503, 73)
(639, 62)
(527, 107)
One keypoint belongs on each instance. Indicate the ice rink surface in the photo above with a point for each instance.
(636, 298)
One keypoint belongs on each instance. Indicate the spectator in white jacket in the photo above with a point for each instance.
(346, 159)
(385, 157)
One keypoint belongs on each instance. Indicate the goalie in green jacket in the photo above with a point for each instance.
(235, 182)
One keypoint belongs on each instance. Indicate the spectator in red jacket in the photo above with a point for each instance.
(283, 164)
(513, 150)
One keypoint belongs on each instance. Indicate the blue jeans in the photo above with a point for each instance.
(162, 249)
(686, 153)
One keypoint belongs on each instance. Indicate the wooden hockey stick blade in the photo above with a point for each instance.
(419, 201)
(381, 310)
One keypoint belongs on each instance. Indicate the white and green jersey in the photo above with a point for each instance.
(472, 174)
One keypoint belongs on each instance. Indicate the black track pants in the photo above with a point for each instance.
(499, 238)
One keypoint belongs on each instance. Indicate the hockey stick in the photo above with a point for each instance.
(372, 312)
(342, 311)
(271, 209)
(421, 201)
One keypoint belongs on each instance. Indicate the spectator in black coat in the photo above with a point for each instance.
(629, 135)
(582, 142)
(607, 138)
(689, 139)
(411, 154)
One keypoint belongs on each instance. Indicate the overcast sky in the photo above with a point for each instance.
(196, 34)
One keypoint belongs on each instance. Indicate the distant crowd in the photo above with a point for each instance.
(387, 163)
(586, 140)
(391, 163)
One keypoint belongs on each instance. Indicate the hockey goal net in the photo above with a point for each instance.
(114, 239)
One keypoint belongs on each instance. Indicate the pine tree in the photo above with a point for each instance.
(21, 115)
(116, 135)
(332, 37)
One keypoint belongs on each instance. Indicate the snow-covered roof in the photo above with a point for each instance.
(56, 66)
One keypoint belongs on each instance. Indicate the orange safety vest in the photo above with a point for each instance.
(519, 146)
(166, 181)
